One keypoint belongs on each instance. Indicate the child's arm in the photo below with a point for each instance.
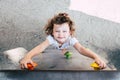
(90, 54)
(35, 51)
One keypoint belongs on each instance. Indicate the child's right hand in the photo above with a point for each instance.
(24, 62)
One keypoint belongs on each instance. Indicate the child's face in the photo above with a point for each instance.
(61, 32)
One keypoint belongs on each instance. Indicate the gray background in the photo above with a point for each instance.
(59, 75)
(22, 21)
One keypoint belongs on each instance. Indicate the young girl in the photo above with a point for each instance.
(60, 33)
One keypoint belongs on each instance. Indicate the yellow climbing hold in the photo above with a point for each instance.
(95, 66)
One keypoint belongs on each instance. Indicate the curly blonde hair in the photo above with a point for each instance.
(59, 19)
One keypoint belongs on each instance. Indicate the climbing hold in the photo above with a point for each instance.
(95, 66)
(68, 55)
(30, 66)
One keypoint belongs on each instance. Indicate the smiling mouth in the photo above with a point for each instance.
(60, 37)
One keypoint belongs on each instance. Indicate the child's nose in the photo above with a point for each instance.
(61, 33)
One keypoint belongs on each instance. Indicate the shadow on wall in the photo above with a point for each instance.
(114, 57)
(58, 75)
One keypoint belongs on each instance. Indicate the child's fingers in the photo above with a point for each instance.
(31, 62)
(102, 65)
(25, 65)
(28, 65)
(35, 64)
(22, 66)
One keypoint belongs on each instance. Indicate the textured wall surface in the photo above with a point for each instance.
(22, 21)
(58, 75)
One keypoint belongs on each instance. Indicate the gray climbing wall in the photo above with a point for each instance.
(22, 21)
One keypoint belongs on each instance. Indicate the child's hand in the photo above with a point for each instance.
(24, 62)
(101, 63)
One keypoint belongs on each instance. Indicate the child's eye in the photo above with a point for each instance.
(64, 31)
(57, 31)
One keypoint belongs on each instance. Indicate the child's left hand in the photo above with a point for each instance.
(101, 63)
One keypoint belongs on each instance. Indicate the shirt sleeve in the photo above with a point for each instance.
(73, 41)
(50, 39)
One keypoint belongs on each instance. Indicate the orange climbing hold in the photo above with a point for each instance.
(30, 66)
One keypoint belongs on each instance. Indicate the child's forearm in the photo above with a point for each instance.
(88, 53)
(33, 52)
(85, 51)
(38, 49)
